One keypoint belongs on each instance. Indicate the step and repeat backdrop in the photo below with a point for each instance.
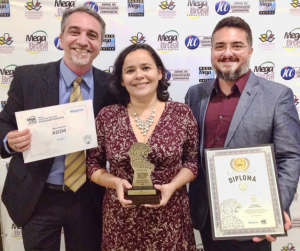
(179, 30)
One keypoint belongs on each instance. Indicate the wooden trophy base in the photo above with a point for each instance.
(143, 195)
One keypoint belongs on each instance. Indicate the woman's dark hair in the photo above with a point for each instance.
(120, 91)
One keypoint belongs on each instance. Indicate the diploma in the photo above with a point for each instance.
(58, 130)
(243, 192)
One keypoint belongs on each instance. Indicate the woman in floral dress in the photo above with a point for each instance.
(171, 132)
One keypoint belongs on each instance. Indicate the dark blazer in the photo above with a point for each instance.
(265, 114)
(36, 86)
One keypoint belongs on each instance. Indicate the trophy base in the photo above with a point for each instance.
(143, 195)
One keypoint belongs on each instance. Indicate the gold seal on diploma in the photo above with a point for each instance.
(240, 164)
(142, 191)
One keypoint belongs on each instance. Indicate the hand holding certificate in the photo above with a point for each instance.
(244, 196)
(58, 130)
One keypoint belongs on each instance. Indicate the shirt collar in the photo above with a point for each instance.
(69, 76)
(239, 84)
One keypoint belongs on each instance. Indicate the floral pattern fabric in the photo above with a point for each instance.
(174, 144)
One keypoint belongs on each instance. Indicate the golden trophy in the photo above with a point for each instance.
(142, 191)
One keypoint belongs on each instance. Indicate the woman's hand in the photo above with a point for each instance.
(166, 192)
(121, 186)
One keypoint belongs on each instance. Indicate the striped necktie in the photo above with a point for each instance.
(75, 166)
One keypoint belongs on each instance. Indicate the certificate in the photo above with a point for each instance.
(58, 130)
(243, 192)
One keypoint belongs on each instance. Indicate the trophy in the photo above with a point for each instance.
(142, 191)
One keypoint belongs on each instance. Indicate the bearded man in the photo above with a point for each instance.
(239, 109)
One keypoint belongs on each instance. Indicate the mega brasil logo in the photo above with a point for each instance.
(168, 41)
(292, 39)
(265, 70)
(37, 42)
(7, 75)
(222, 7)
(61, 6)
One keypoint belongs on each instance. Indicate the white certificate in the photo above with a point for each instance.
(244, 196)
(58, 130)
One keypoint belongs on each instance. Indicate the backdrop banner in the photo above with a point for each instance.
(180, 31)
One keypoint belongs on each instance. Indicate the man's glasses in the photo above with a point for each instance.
(233, 47)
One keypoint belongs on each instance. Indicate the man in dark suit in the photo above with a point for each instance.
(35, 193)
(239, 109)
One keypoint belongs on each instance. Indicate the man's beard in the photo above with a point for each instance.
(232, 75)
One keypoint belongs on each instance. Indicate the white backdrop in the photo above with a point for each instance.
(29, 31)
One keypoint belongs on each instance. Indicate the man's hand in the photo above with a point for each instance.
(287, 226)
(19, 141)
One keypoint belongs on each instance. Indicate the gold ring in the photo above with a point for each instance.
(15, 146)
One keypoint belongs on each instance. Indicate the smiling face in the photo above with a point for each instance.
(140, 75)
(81, 41)
(229, 64)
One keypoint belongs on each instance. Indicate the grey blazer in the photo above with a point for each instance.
(265, 114)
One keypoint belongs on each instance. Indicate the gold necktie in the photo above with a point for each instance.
(75, 166)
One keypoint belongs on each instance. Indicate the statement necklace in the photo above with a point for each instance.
(144, 125)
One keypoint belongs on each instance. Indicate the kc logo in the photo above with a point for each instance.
(222, 7)
(192, 42)
(287, 73)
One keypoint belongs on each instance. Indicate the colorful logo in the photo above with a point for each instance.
(288, 72)
(92, 5)
(110, 70)
(37, 42)
(197, 9)
(3, 103)
(6, 75)
(292, 40)
(289, 247)
(296, 100)
(267, 7)
(61, 6)
(168, 75)
(268, 37)
(109, 43)
(138, 39)
(135, 8)
(222, 7)
(4, 8)
(265, 70)
(6, 39)
(168, 41)
(164, 5)
(16, 232)
(206, 73)
(33, 6)
(57, 43)
(295, 3)
(192, 42)
(178, 75)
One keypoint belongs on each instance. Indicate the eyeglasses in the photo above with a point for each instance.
(234, 47)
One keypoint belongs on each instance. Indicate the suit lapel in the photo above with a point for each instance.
(97, 99)
(242, 106)
(201, 117)
(50, 85)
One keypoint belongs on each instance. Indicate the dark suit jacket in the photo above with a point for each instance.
(36, 86)
(265, 114)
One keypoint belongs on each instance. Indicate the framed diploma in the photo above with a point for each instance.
(243, 192)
